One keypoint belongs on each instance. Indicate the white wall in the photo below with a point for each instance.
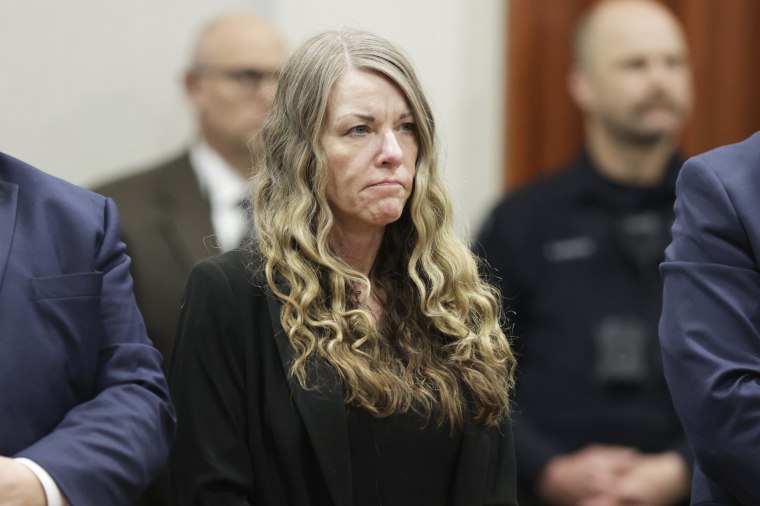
(91, 89)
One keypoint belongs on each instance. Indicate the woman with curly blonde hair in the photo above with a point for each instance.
(350, 354)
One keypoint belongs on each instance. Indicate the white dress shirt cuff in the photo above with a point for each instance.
(52, 492)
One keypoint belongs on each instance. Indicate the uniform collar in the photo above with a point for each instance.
(592, 184)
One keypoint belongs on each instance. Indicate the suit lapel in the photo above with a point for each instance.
(8, 207)
(186, 223)
(323, 412)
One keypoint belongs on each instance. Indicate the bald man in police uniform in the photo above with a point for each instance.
(577, 256)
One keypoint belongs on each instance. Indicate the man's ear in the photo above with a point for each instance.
(580, 88)
(191, 82)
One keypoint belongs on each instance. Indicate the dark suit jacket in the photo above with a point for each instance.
(249, 435)
(167, 227)
(82, 390)
(710, 324)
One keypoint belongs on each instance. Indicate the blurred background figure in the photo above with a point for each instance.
(190, 207)
(193, 206)
(577, 257)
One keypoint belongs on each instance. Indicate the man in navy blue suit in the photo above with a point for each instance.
(710, 323)
(85, 417)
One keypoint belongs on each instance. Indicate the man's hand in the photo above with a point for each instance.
(18, 485)
(591, 472)
(615, 476)
(656, 480)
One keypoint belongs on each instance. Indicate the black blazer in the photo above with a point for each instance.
(248, 435)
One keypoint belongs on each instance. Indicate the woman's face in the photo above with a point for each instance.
(370, 141)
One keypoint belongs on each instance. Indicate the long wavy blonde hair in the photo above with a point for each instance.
(440, 350)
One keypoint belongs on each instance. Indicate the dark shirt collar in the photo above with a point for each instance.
(594, 185)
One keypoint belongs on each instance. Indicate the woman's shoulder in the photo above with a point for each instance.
(240, 269)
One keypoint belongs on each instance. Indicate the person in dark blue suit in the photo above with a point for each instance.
(710, 323)
(85, 416)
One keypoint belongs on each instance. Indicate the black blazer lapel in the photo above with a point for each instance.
(469, 478)
(485, 469)
(8, 207)
(323, 412)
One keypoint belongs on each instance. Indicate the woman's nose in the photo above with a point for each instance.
(390, 150)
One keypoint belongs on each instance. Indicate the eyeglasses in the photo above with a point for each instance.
(249, 78)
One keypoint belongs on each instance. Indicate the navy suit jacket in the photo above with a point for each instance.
(82, 390)
(710, 323)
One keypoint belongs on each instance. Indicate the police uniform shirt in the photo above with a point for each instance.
(576, 257)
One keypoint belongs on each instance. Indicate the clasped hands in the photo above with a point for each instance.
(602, 475)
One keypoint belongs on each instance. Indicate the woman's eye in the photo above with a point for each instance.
(359, 130)
(408, 127)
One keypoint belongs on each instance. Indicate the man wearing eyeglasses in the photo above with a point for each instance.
(184, 210)
(189, 208)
